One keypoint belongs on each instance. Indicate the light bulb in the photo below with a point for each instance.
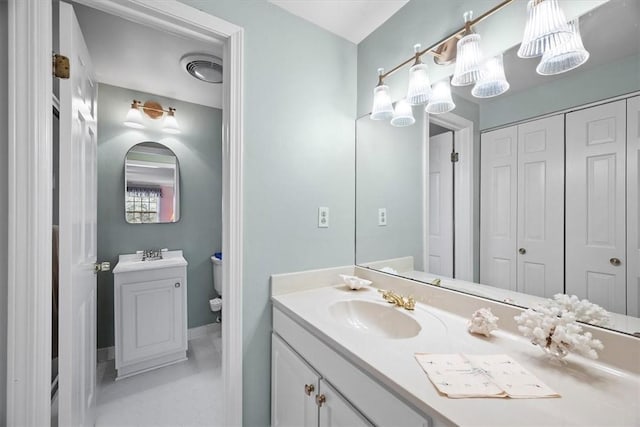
(493, 81)
(441, 101)
(402, 114)
(134, 117)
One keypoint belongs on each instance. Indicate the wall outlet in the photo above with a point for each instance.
(382, 216)
(323, 217)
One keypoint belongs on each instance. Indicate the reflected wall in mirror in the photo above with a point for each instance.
(152, 190)
(539, 223)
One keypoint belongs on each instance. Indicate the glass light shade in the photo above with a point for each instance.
(565, 57)
(402, 114)
(441, 101)
(468, 61)
(170, 124)
(492, 81)
(382, 108)
(134, 118)
(419, 85)
(546, 28)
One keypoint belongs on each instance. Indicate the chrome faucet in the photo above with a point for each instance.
(398, 300)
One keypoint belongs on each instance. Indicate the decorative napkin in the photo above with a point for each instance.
(495, 375)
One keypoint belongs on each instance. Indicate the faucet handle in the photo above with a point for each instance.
(410, 303)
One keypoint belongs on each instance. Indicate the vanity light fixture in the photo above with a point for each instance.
(565, 57)
(402, 114)
(492, 81)
(382, 107)
(469, 56)
(441, 101)
(546, 28)
(154, 111)
(419, 85)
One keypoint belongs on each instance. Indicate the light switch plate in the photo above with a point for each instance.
(323, 217)
(382, 216)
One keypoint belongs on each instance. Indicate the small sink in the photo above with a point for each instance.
(375, 319)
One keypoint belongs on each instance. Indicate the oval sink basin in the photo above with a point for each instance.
(376, 319)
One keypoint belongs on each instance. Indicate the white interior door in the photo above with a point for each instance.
(541, 207)
(595, 206)
(498, 204)
(633, 211)
(441, 204)
(77, 253)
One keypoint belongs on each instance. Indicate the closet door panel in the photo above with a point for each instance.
(595, 205)
(633, 213)
(541, 207)
(498, 202)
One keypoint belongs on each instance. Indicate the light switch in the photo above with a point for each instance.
(382, 216)
(323, 217)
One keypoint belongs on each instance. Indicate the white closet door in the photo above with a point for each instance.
(541, 207)
(595, 206)
(498, 203)
(633, 196)
(441, 205)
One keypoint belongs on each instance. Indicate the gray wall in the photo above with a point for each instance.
(299, 112)
(389, 175)
(576, 88)
(198, 233)
(3, 209)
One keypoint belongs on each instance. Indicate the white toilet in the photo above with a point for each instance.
(216, 263)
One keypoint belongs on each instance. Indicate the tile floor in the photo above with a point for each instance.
(185, 394)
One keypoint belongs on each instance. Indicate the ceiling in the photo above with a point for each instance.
(605, 43)
(141, 58)
(353, 20)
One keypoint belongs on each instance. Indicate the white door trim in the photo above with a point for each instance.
(30, 202)
(463, 193)
(29, 214)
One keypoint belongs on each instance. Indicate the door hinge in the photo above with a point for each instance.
(60, 66)
(455, 157)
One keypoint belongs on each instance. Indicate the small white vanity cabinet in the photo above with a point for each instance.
(312, 385)
(150, 303)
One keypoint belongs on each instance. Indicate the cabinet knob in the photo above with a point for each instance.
(320, 399)
(308, 389)
(177, 285)
(522, 251)
(615, 261)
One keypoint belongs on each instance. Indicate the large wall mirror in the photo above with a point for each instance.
(152, 190)
(543, 195)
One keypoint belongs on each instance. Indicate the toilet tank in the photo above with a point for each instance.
(216, 264)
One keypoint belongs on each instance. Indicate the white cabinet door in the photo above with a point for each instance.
(498, 203)
(294, 386)
(541, 207)
(153, 318)
(441, 205)
(78, 218)
(336, 411)
(633, 211)
(595, 206)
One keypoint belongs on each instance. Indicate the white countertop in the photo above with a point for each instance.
(593, 394)
(133, 262)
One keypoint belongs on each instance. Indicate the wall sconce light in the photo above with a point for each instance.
(154, 111)
(469, 56)
(546, 28)
(382, 107)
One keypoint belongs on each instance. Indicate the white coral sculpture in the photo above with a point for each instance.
(557, 332)
(583, 310)
(483, 321)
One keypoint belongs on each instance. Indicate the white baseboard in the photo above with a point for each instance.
(109, 353)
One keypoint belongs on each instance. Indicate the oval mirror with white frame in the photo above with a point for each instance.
(152, 189)
(524, 196)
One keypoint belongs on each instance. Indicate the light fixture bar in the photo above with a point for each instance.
(432, 49)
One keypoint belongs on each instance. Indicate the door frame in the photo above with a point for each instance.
(30, 193)
(463, 193)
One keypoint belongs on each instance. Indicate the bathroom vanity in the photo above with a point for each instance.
(150, 301)
(343, 357)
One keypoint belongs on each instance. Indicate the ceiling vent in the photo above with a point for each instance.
(202, 66)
